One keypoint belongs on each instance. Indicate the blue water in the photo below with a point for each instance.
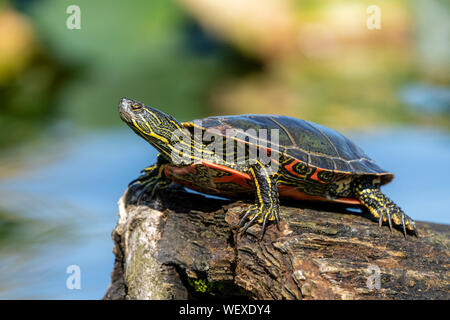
(427, 98)
(77, 193)
(72, 189)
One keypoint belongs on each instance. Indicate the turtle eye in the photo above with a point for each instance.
(135, 107)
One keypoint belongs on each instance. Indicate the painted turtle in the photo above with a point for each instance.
(307, 161)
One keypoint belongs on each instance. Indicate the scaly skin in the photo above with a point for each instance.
(367, 189)
(153, 178)
(157, 127)
(267, 203)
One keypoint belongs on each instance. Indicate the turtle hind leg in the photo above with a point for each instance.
(367, 189)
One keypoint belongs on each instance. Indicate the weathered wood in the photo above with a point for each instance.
(183, 245)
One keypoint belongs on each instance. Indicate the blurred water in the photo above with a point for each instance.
(427, 98)
(69, 203)
(76, 193)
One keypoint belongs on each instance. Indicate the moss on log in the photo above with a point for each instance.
(182, 246)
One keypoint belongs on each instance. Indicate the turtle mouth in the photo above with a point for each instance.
(125, 110)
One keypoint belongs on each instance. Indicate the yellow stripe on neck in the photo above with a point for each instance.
(151, 134)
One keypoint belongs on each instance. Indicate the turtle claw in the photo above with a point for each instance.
(251, 213)
(277, 221)
(383, 208)
(382, 219)
(144, 191)
(407, 224)
(249, 224)
(151, 179)
(398, 218)
(263, 231)
(152, 185)
(413, 227)
(246, 215)
(258, 214)
(403, 225)
(388, 217)
(390, 221)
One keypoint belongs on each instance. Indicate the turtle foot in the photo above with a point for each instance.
(261, 214)
(393, 215)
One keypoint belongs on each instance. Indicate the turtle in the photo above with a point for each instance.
(267, 157)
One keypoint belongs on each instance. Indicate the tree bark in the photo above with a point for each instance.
(182, 245)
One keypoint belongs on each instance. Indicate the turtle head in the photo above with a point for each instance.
(154, 126)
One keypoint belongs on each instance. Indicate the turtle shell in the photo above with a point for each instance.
(313, 144)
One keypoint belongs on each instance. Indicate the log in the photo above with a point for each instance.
(182, 245)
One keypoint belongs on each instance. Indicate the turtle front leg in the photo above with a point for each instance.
(267, 205)
(367, 189)
(153, 178)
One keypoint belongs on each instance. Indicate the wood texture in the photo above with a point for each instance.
(183, 246)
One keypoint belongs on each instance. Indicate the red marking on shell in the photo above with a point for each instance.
(238, 177)
(291, 170)
(244, 180)
(315, 177)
